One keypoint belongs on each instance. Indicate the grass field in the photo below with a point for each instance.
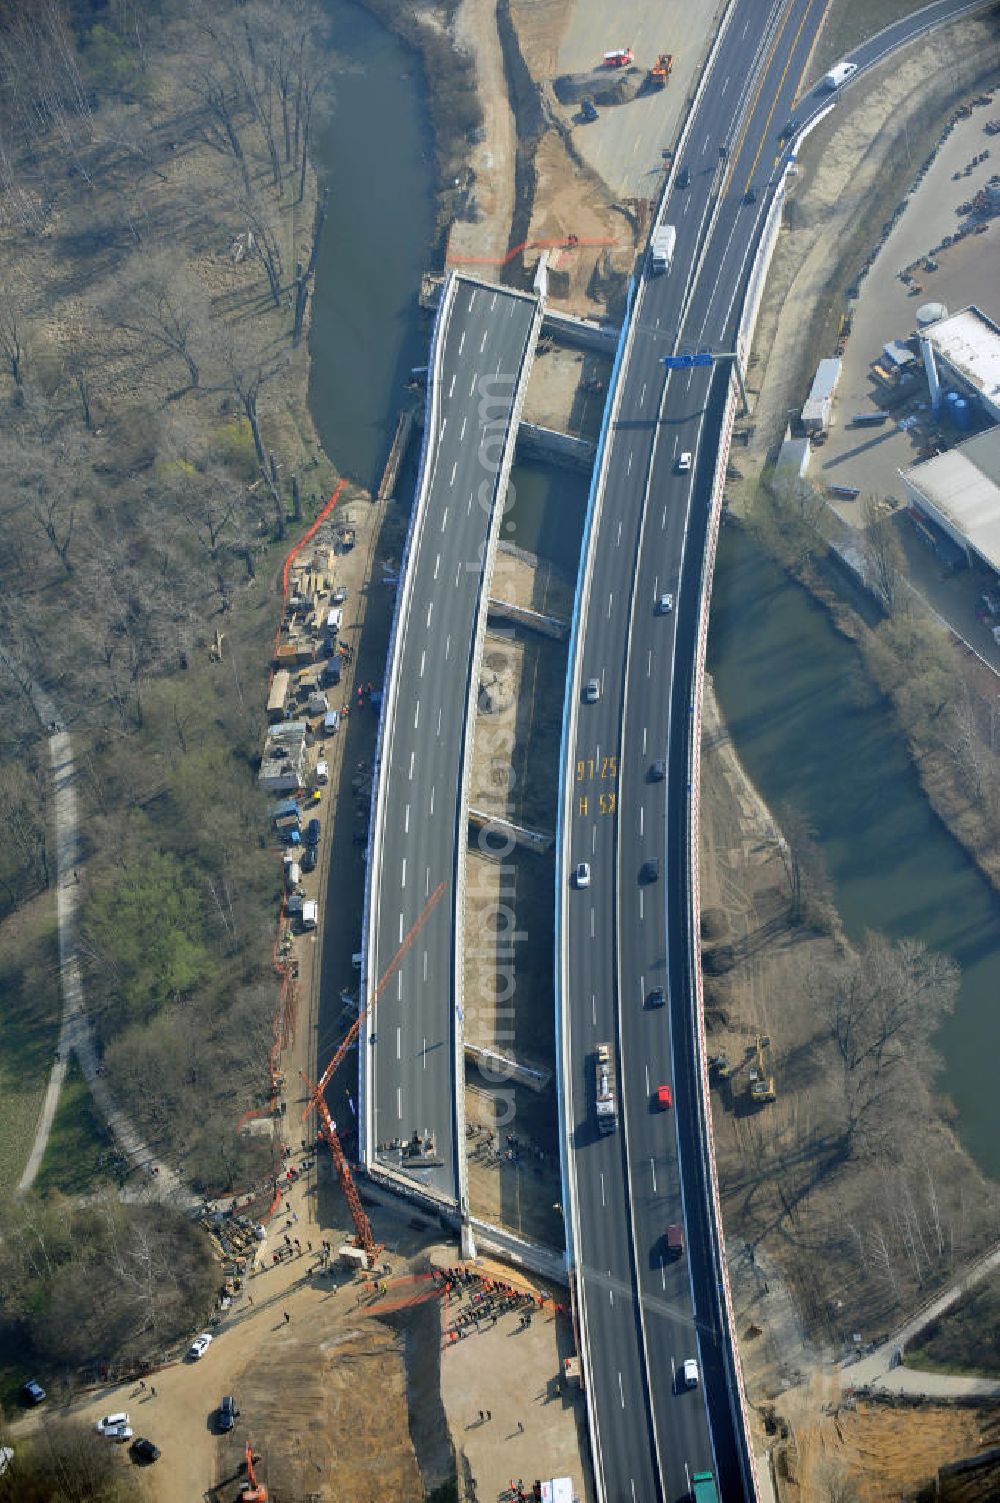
(80, 1156)
(29, 1030)
(964, 1339)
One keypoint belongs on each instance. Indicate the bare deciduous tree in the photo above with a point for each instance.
(884, 560)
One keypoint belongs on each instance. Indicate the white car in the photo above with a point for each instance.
(115, 1426)
(664, 605)
(689, 1373)
(592, 691)
(581, 876)
(200, 1346)
(684, 463)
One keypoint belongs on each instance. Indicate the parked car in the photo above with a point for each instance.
(581, 876)
(309, 858)
(33, 1393)
(115, 1426)
(228, 1413)
(143, 1450)
(650, 870)
(200, 1346)
(313, 831)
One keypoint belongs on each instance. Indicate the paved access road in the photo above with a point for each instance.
(483, 349)
(625, 936)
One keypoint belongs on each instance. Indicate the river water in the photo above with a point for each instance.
(790, 688)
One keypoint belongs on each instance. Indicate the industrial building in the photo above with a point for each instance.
(966, 358)
(960, 493)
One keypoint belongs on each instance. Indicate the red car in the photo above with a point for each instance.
(664, 1097)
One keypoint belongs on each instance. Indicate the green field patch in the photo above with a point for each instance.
(81, 1153)
(29, 1030)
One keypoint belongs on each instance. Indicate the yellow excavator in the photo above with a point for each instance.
(761, 1071)
(661, 70)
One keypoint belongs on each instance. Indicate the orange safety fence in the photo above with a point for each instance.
(566, 243)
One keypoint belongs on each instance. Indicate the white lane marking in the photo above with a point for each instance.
(406, 820)
(629, 469)
(610, 600)
(399, 1042)
(451, 388)
(663, 1274)
(472, 388)
(593, 841)
(425, 965)
(461, 343)
(432, 800)
(430, 611)
(703, 149)
(416, 715)
(402, 873)
(611, 1292)
(399, 1102)
(444, 424)
(497, 371)
(427, 882)
(412, 755)
(745, 27)
(603, 1201)
(424, 1053)
(462, 434)
(444, 519)
(663, 522)
(635, 148)
(642, 394)
(447, 647)
(619, 542)
(649, 664)
(437, 565)
(725, 84)
(400, 928)
(494, 302)
(472, 298)
(644, 740)
(592, 923)
(423, 660)
(673, 1373)
(593, 1008)
(399, 986)
(656, 587)
(621, 1391)
(642, 818)
(652, 1170)
(647, 1080)
(468, 504)
(439, 722)
(485, 337)
(458, 575)
(687, 205)
(641, 903)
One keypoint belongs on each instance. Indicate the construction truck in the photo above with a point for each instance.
(605, 1099)
(661, 248)
(618, 57)
(761, 1085)
(661, 70)
(703, 1489)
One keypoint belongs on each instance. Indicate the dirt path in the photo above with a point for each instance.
(492, 158)
(75, 1034)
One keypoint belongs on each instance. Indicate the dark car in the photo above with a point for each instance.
(684, 178)
(657, 997)
(228, 1412)
(309, 858)
(658, 771)
(750, 196)
(313, 831)
(650, 870)
(33, 1393)
(143, 1450)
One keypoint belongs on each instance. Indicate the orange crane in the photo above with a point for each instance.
(254, 1492)
(364, 1235)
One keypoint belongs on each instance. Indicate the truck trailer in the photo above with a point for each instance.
(661, 248)
(605, 1100)
(703, 1489)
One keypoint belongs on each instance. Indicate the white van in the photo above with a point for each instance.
(334, 621)
(310, 913)
(322, 771)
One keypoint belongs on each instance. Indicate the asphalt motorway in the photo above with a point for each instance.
(411, 1071)
(652, 1433)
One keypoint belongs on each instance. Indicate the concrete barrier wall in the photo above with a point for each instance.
(366, 1147)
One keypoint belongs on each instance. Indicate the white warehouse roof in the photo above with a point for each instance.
(970, 343)
(963, 488)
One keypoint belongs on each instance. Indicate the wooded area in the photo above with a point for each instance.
(159, 224)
